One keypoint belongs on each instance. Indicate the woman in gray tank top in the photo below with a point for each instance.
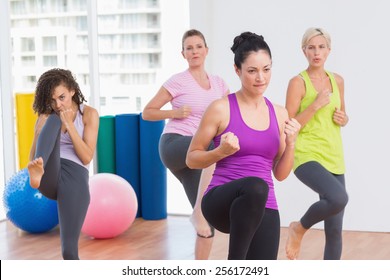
(63, 146)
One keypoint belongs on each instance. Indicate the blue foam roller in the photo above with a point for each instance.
(153, 172)
(128, 152)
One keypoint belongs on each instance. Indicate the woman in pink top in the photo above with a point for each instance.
(252, 138)
(189, 92)
(63, 146)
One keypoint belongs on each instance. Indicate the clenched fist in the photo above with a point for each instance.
(67, 116)
(183, 112)
(340, 117)
(229, 143)
(291, 129)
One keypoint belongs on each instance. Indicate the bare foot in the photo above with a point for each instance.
(35, 170)
(293, 244)
(200, 224)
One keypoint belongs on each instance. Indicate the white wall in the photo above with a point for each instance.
(174, 22)
(360, 35)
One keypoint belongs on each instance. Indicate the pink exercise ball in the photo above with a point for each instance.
(113, 206)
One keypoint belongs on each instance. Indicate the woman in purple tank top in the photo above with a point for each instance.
(252, 138)
(59, 169)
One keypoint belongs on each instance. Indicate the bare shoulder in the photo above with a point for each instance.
(297, 81)
(296, 89)
(281, 112)
(90, 114)
(219, 105)
(339, 78)
(217, 112)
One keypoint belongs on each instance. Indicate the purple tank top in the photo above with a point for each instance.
(66, 145)
(258, 149)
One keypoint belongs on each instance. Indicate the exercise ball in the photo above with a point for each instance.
(26, 207)
(113, 206)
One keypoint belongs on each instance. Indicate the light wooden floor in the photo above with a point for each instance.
(173, 238)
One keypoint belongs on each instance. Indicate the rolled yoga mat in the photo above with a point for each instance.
(105, 148)
(153, 172)
(25, 124)
(128, 152)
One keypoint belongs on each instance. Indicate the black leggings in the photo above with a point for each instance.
(330, 207)
(238, 208)
(66, 182)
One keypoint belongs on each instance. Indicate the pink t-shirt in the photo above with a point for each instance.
(186, 91)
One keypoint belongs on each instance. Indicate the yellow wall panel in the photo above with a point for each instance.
(25, 123)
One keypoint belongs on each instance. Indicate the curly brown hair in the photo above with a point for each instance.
(47, 82)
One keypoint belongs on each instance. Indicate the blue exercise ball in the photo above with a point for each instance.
(26, 207)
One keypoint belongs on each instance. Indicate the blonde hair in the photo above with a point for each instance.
(315, 31)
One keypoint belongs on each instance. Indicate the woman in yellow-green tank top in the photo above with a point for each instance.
(315, 98)
(320, 139)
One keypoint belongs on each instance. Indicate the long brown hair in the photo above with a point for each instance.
(46, 85)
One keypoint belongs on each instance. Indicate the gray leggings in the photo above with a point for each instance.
(330, 207)
(173, 151)
(66, 182)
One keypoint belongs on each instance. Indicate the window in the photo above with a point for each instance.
(82, 42)
(27, 44)
(153, 21)
(29, 82)
(49, 43)
(28, 61)
(153, 41)
(2, 179)
(154, 60)
(50, 61)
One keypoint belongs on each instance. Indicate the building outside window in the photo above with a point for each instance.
(128, 38)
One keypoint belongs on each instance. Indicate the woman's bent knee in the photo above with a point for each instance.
(340, 201)
(257, 186)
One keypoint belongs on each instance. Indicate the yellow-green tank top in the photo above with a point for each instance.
(320, 139)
